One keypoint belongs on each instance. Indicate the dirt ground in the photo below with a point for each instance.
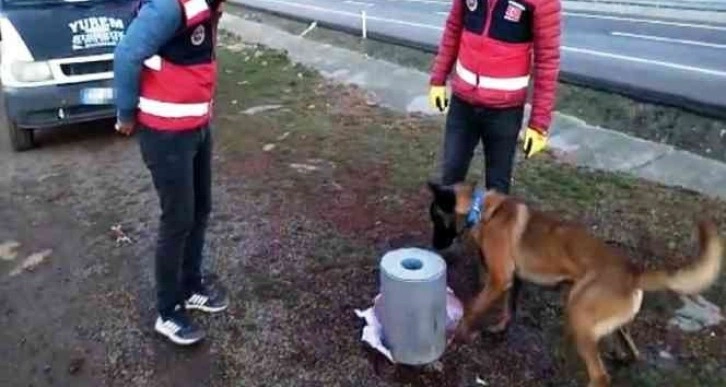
(309, 192)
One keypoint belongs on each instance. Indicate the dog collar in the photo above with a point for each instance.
(477, 204)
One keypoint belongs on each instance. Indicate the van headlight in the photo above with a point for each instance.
(29, 72)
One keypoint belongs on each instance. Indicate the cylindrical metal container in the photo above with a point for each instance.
(413, 294)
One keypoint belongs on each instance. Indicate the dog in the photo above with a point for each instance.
(519, 243)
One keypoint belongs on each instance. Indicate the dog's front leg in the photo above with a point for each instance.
(627, 342)
(509, 307)
(496, 244)
(491, 293)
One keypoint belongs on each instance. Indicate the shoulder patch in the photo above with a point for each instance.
(198, 35)
(514, 11)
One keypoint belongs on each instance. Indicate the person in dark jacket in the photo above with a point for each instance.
(495, 48)
(166, 72)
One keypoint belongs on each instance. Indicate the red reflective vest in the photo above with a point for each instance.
(489, 45)
(178, 84)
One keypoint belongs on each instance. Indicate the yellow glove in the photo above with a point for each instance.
(534, 142)
(438, 99)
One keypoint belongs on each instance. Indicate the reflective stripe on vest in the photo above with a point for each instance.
(153, 63)
(195, 11)
(169, 109)
(173, 110)
(504, 84)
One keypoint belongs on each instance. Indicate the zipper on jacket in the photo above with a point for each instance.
(490, 11)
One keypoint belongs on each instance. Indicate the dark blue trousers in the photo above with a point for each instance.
(180, 166)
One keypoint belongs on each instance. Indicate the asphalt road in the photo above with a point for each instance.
(674, 62)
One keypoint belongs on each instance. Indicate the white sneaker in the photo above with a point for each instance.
(207, 300)
(179, 329)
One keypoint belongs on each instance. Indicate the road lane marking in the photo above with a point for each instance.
(358, 3)
(564, 48)
(669, 40)
(646, 21)
(645, 61)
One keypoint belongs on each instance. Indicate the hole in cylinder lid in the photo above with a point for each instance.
(412, 264)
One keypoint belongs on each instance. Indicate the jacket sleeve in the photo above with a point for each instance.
(449, 46)
(156, 23)
(547, 32)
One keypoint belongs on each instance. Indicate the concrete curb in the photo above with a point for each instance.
(572, 139)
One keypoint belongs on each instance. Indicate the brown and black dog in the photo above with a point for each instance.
(519, 242)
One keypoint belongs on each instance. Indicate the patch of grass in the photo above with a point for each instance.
(249, 72)
(265, 287)
(547, 181)
(702, 135)
(334, 251)
(558, 182)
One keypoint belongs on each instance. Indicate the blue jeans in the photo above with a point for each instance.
(496, 129)
(180, 166)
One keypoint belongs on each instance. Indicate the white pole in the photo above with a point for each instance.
(310, 28)
(364, 27)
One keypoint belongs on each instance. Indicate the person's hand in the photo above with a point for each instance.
(438, 99)
(534, 142)
(125, 128)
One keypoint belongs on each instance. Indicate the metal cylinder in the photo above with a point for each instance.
(413, 310)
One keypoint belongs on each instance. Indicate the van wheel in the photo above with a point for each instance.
(20, 139)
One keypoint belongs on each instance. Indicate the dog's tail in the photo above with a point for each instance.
(698, 276)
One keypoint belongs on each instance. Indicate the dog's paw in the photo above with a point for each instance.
(619, 358)
(500, 327)
(463, 334)
(497, 329)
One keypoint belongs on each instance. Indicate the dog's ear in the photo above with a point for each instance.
(444, 196)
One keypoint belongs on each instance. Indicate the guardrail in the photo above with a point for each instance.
(382, 29)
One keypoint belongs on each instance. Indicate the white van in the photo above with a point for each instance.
(57, 62)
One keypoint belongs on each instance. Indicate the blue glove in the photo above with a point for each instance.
(475, 210)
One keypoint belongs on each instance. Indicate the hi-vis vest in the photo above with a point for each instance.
(178, 84)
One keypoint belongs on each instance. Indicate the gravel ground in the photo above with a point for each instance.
(309, 192)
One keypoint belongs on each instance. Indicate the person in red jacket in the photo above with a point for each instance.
(495, 48)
